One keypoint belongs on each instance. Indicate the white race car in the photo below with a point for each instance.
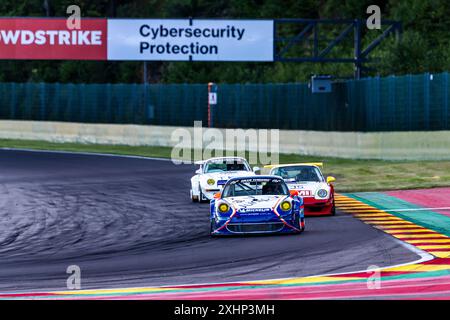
(214, 173)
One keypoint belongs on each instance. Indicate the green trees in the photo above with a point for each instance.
(425, 45)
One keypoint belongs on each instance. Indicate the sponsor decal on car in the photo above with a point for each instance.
(304, 193)
(255, 210)
(250, 180)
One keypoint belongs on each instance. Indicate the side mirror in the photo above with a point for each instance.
(256, 169)
(217, 195)
(331, 179)
(198, 171)
(293, 193)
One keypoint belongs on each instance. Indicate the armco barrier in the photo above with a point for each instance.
(416, 145)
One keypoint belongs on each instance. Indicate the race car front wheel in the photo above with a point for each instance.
(201, 197)
(193, 198)
(212, 228)
(297, 224)
(333, 209)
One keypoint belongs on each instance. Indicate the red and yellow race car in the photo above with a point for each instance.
(307, 178)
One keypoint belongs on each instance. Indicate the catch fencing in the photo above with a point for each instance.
(403, 103)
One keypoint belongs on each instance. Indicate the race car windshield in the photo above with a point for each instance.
(225, 166)
(255, 187)
(299, 173)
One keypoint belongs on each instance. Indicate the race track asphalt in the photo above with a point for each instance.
(129, 222)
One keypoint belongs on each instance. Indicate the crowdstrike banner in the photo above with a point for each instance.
(137, 39)
(50, 39)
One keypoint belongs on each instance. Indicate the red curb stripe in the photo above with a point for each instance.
(399, 228)
(423, 239)
(429, 244)
(366, 275)
(438, 261)
(220, 285)
(381, 220)
(411, 232)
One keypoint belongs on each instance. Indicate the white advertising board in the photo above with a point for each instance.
(184, 40)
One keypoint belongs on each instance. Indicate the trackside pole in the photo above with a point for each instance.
(212, 101)
(145, 81)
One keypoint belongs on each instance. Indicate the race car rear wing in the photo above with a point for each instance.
(317, 164)
(202, 162)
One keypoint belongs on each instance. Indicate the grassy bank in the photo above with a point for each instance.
(351, 175)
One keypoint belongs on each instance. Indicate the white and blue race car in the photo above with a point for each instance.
(257, 204)
(214, 173)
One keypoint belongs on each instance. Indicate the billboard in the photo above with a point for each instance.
(137, 39)
(184, 40)
(50, 39)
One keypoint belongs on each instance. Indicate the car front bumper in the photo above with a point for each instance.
(209, 193)
(255, 225)
(315, 207)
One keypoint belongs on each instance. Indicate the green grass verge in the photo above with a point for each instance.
(351, 175)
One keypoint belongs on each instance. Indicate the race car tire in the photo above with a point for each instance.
(333, 209)
(297, 224)
(212, 228)
(200, 196)
(194, 198)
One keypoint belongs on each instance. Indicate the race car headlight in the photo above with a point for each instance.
(322, 193)
(210, 182)
(223, 208)
(285, 206)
